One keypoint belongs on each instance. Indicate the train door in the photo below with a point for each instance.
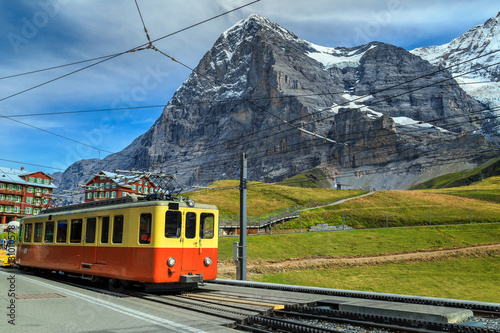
(89, 243)
(190, 242)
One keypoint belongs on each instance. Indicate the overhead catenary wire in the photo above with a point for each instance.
(104, 59)
(231, 100)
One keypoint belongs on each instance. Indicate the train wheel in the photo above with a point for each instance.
(117, 285)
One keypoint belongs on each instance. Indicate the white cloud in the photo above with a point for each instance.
(64, 31)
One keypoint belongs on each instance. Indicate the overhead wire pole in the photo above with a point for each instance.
(243, 220)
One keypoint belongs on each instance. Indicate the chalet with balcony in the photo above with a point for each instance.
(107, 185)
(23, 193)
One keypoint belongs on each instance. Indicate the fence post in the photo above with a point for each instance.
(386, 221)
(343, 219)
(430, 221)
(300, 217)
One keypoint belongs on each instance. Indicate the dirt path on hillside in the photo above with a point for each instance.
(227, 268)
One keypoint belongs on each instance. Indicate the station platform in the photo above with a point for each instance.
(33, 304)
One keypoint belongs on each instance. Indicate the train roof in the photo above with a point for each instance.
(119, 203)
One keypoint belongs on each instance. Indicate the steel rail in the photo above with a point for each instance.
(474, 306)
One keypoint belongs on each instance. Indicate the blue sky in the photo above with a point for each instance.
(38, 34)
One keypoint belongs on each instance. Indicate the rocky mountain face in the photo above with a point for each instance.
(474, 58)
(262, 90)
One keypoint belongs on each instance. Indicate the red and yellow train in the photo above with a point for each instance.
(152, 242)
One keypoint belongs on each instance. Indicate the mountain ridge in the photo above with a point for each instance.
(259, 78)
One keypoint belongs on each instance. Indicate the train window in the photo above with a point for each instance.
(49, 232)
(190, 225)
(145, 229)
(27, 234)
(173, 224)
(105, 230)
(118, 229)
(21, 233)
(90, 230)
(62, 231)
(75, 233)
(38, 232)
(207, 225)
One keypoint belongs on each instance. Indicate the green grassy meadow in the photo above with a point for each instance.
(459, 216)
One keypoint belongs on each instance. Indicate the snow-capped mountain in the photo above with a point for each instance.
(475, 56)
(259, 84)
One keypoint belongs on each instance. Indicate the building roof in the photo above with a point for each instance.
(15, 176)
(120, 180)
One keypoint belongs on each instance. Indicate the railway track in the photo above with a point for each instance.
(479, 308)
(259, 307)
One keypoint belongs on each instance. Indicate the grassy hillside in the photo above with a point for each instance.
(472, 277)
(314, 178)
(487, 190)
(462, 178)
(265, 198)
(360, 242)
(408, 208)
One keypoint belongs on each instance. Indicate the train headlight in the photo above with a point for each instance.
(190, 202)
(207, 261)
(170, 262)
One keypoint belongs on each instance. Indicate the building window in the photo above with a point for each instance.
(28, 210)
(89, 195)
(95, 194)
(36, 211)
(134, 187)
(30, 189)
(113, 194)
(140, 189)
(101, 195)
(1, 208)
(140, 182)
(107, 194)
(31, 179)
